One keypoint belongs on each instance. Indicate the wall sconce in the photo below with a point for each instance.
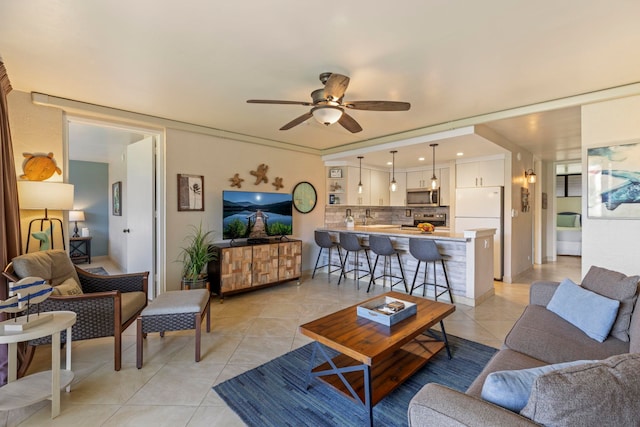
(530, 176)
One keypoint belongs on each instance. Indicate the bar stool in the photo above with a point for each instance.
(350, 243)
(324, 241)
(381, 246)
(427, 251)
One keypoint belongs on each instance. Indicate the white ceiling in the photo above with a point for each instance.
(199, 61)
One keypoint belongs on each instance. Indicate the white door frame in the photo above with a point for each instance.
(159, 281)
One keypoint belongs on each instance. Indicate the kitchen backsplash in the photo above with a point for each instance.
(335, 215)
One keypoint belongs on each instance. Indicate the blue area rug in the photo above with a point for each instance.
(274, 394)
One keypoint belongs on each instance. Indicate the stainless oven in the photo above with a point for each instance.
(423, 197)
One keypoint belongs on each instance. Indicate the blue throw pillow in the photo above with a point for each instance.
(593, 314)
(511, 389)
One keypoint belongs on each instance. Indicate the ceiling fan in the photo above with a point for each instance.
(328, 106)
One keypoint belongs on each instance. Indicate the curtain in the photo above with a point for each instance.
(10, 242)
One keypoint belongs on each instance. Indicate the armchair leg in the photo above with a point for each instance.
(117, 356)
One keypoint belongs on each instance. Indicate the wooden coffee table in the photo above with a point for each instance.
(374, 359)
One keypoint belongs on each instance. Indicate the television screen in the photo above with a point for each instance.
(256, 215)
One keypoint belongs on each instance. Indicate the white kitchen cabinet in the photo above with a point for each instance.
(379, 194)
(488, 173)
(399, 197)
(419, 179)
(445, 187)
(353, 178)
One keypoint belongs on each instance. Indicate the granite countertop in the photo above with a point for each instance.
(398, 231)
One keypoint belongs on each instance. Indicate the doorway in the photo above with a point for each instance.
(568, 193)
(128, 235)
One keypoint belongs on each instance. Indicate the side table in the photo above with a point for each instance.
(80, 249)
(42, 385)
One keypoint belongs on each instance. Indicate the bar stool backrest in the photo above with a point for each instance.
(381, 245)
(350, 242)
(424, 250)
(323, 239)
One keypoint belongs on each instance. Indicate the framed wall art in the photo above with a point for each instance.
(335, 173)
(116, 198)
(524, 196)
(190, 192)
(613, 181)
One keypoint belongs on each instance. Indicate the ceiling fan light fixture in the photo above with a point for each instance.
(327, 115)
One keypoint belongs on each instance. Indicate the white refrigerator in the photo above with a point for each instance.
(482, 207)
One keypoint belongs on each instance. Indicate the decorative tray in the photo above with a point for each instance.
(387, 310)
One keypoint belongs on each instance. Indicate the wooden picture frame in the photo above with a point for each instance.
(116, 198)
(612, 181)
(190, 192)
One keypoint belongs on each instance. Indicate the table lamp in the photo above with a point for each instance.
(45, 195)
(76, 216)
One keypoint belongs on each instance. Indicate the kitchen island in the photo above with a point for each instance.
(468, 257)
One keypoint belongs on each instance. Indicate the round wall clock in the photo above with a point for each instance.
(304, 197)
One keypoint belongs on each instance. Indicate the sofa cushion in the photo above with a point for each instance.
(54, 266)
(618, 286)
(511, 389)
(605, 393)
(68, 287)
(544, 335)
(592, 313)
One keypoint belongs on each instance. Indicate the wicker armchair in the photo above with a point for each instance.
(107, 306)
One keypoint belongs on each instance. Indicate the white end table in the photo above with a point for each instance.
(42, 385)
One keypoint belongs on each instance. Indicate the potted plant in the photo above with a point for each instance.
(195, 256)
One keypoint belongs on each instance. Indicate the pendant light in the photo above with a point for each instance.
(394, 185)
(360, 181)
(434, 179)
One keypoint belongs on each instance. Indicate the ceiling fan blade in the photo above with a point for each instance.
(336, 86)
(349, 123)
(378, 105)
(297, 121)
(271, 101)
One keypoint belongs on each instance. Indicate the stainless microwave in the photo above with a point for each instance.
(423, 197)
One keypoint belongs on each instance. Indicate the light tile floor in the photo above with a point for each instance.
(247, 331)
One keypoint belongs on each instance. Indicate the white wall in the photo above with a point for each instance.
(609, 243)
(218, 159)
(36, 129)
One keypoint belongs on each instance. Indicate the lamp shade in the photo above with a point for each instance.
(327, 115)
(45, 195)
(76, 215)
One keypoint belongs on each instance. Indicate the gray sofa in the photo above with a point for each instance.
(541, 337)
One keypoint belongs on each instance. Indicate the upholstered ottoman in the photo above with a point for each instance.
(174, 311)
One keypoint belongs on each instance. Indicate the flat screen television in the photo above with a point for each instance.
(256, 215)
